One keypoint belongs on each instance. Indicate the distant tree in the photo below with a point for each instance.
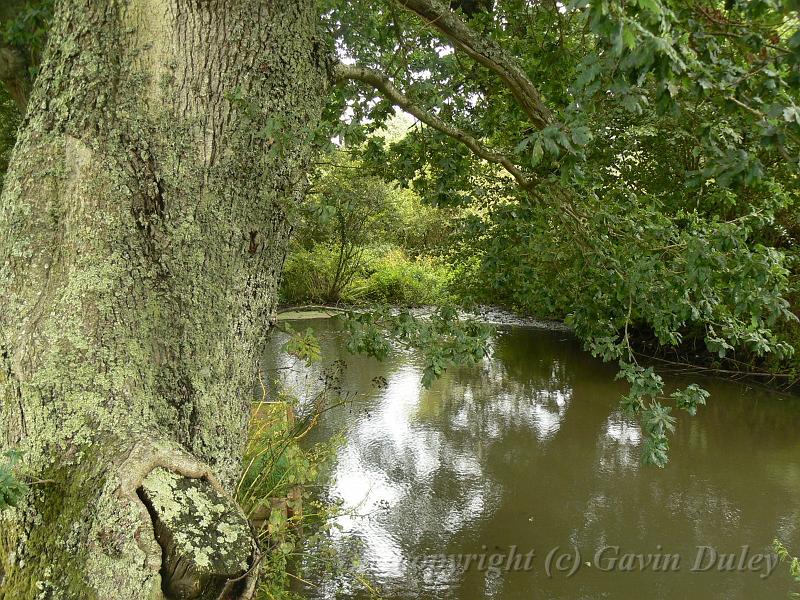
(344, 212)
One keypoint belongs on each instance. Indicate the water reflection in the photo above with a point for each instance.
(529, 450)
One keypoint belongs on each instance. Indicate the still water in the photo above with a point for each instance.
(525, 462)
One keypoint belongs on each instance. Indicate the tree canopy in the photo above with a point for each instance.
(633, 164)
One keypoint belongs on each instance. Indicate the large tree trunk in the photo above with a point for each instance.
(143, 225)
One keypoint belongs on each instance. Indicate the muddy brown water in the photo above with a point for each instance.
(520, 479)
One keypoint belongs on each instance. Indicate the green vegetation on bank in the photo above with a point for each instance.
(362, 241)
(792, 561)
(278, 489)
(273, 494)
(385, 275)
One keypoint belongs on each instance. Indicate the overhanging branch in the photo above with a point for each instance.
(382, 84)
(486, 52)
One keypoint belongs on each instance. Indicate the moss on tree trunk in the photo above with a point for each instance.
(143, 225)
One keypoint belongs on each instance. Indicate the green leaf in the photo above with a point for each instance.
(791, 114)
(523, 144)
(653, 6)
(551, 146)
(581, 136)
(537, 154)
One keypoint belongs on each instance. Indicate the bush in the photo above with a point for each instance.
(279, 471)
(386, 276)
(308, 274)
(396, 279)
(359, 240)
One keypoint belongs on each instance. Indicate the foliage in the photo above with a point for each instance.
(794, 563)
(443, 339)
(360, 240)
(9, 120)
(25, 27)
(664, 186)
(307, 274)
(11, 488)
(385, 276)
(272, 491)
(303, 346)
(342, 213)
(391, 277)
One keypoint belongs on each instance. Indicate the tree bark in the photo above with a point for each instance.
(143, 226)
(17, 63)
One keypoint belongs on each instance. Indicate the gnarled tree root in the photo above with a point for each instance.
(192, 531)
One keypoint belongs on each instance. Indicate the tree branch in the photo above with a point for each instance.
(381, 83)
(488, 53)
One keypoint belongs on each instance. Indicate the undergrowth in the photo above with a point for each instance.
(278, 488)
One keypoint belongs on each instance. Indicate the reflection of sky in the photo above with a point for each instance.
(397, 456)
(421, 453)
(495, 402)
(548, 412)
(385, 474)
(526, 447)
(619, 447)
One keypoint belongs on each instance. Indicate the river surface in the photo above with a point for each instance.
(519, 478)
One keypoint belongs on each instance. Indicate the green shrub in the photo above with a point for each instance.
(308, 274)
(385, 276)
(394, 278)
(279, 472)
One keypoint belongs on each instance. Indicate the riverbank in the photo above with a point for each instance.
(490, 315)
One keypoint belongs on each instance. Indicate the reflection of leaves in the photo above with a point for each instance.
(380, 382)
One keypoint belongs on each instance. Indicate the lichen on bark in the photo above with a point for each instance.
(206, 540)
